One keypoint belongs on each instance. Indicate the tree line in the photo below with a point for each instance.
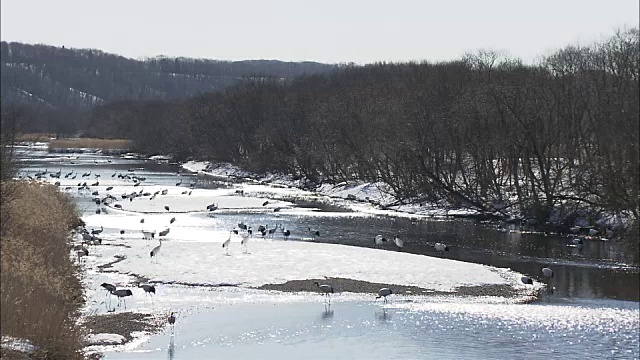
(553, 140)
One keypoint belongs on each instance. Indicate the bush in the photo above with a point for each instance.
(41, 292)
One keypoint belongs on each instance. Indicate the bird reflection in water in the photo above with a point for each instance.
(383, 316)
(171, 351)
(327, 313)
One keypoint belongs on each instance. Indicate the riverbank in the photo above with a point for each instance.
(41, 289)
(377, 198)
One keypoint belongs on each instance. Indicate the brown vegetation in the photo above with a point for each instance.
(35, 137)
(90, 143)
(41, 292)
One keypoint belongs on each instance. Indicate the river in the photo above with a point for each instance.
(591, 311)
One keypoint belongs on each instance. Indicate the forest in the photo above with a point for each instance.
(551, 141)
(55, 87)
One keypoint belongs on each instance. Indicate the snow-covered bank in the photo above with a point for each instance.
(376, 198)
(371, 198)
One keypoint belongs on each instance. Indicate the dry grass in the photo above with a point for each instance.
(108, 144)
(35, 137)
(41, 293)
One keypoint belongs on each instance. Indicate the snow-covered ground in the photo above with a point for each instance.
(193, 271)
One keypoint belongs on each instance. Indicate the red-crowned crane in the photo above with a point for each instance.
(148, 289)
(441, 248)
(156, 250)
(225, 245)
(327, 289)
(121, 294)
(97, 232)
(399, 242)
(379, 240)
(383, 293)
(243, 243)
(172, 322)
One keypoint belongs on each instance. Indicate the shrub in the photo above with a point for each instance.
(41, 292)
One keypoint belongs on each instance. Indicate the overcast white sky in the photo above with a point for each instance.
(329, 31)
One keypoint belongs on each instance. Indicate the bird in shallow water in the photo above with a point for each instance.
(383, 293)
(327, 289)
(547, 272)
(172, 322)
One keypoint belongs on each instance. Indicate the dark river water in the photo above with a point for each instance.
(599, 274)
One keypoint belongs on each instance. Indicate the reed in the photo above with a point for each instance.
(40, 289)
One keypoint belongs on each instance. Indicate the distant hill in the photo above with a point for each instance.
(49, 77)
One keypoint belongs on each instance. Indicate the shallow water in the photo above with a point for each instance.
(577, 319)
(430, 330)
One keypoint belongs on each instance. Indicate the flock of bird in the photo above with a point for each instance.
(243, 231)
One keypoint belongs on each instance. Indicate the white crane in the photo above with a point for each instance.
(399, 242)
(227, 242)
(148, 235)
(156, 250)
(379, 240)
(383, 293)
(243, 243)
(441, 248)
(327, 289)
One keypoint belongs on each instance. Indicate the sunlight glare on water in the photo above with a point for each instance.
(447, 328)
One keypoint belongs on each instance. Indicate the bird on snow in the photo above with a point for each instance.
(96, 231)
(156, 250)
(121, 294)
(173, 219)
(527, 280)
(109, 287)
(148, 288)
(226, 244)
(245, 240)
